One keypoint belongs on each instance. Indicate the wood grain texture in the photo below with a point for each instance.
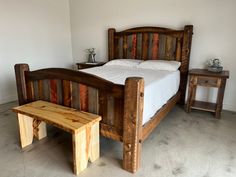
(20, 72)
(220, 98)
(110, 97)
(83, 92)
(83, 126)
(185, 56)
(39, 129)
(94, 151)
(53, 91)
(111, 41)
(134, 92)
(67, 93)
(172, 45)
(125, 47)
(205, 72)
(62, 117)
(202, 77)
(80, 154)
(26, 130)
(145, 45)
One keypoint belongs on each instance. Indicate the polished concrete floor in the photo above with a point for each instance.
(183, 145)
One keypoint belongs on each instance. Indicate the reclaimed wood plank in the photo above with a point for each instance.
(26, 130)
(80, 153)
(62, 117)
(134, 92)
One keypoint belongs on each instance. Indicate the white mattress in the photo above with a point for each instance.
(160, 86)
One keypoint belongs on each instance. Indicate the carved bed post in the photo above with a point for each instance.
(187, 40)
(111, 50)
(20, 70)
(133, 115)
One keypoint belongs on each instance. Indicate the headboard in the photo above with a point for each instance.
(148, 43)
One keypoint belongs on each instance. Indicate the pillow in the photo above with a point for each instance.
(124, 62)
(160, 65)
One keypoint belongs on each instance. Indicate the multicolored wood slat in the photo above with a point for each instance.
(81, 97)
(147, 46)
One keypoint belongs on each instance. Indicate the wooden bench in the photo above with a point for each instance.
(83, 126)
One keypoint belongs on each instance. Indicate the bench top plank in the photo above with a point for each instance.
(68, 119)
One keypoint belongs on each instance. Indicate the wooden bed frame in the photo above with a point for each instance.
(121, 106)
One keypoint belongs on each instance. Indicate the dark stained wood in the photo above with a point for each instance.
(67, 93)
(178, 49)
(204, 106)
(145, 45)
(149, 29)
(125, 47)
(79, 77)
(134, 92)
(20, 71)
(85, 65)
(111, 40)
(191, 92)
(103, 106)
(119, 114)
(120, 106)
(40, 89)
(30, 90)
(208, 81)
(109, 131)
(205, 72)
(53, 91)
(93, 100)
(185, 56)
(170, 48)
(173, 45)
(220, 98)
(202, 77)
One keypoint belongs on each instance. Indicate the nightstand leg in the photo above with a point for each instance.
(191, 93)
(220, 98)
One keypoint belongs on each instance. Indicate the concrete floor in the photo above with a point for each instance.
(183, 145)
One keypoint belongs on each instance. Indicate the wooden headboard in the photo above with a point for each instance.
(147, 43)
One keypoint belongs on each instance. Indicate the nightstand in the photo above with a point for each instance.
(202, 77)
(85, 65)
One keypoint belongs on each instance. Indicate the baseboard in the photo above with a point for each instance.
(8, 99)
(229, 107)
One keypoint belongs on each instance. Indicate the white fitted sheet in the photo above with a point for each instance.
(160, 85)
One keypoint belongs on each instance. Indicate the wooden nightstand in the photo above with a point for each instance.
(202, 77)
(85, 65)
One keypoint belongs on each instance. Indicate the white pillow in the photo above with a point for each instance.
(160, 65)
(124, 62)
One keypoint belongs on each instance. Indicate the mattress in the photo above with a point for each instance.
(160, 85)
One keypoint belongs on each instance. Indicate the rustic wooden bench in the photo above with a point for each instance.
(83, 126)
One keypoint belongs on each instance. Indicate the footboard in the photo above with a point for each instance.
(75, 89)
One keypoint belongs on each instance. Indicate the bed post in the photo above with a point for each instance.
(20, 70)
(187, 40)
(133, 115)
(111, 50)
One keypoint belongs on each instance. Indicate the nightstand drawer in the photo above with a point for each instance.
(208, 81)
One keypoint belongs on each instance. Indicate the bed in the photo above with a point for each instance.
(121, 106)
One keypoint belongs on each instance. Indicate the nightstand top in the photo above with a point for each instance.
(205, 72)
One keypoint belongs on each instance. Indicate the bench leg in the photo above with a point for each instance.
(80, 151)
(26, 130)
(39, 129)
(94, 143)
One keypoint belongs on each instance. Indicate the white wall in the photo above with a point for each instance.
(214, 29)
(36, 32)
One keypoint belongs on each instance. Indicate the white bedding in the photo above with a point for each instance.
(160, 86)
